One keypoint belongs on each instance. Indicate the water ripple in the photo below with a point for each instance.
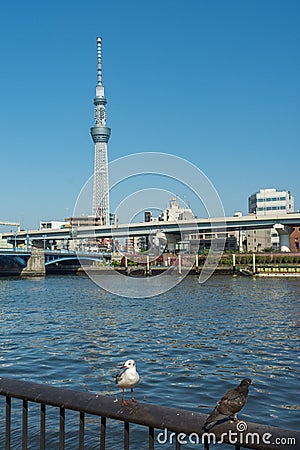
(191, 344)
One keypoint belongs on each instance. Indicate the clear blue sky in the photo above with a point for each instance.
(215, 82)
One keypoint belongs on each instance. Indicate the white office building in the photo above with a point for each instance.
(267, 202)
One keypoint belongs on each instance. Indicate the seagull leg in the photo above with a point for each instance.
(132, 396)
(124, 402)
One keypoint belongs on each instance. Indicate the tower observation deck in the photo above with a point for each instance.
(100, 135)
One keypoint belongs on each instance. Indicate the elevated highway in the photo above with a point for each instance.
(144, 228)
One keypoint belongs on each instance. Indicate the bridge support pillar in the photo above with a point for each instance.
(172, 240)
(284, 232)
(35, 264)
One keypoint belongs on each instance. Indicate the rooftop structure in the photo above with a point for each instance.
(175, 212)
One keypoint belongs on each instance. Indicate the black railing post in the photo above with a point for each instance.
(25, 425)
(62, 428)
(205, 444)
(81, 430)
(103, 433)
(151, 438)
(177, 444)
(8, 423)
(43, 427)
(126, 435)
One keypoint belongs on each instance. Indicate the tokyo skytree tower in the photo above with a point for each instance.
(100, 134)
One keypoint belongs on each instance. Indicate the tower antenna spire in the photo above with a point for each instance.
(99, 54)
(100, 135)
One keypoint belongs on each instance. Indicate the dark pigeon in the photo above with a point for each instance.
(230, 404)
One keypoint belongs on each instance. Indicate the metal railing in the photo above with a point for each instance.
(179, 426)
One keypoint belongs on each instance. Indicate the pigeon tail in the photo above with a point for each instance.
(215, 416)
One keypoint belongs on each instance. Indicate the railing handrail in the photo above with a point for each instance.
(155, 416)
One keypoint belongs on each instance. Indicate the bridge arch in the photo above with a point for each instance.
(53, 259)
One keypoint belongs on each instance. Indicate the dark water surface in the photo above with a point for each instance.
(190, 344)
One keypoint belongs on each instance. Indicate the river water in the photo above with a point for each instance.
(190, 344)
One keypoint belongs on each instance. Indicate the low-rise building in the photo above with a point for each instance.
(258, 240)
(295, 240)
(197, 242)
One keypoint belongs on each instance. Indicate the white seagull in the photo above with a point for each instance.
(127, 378)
